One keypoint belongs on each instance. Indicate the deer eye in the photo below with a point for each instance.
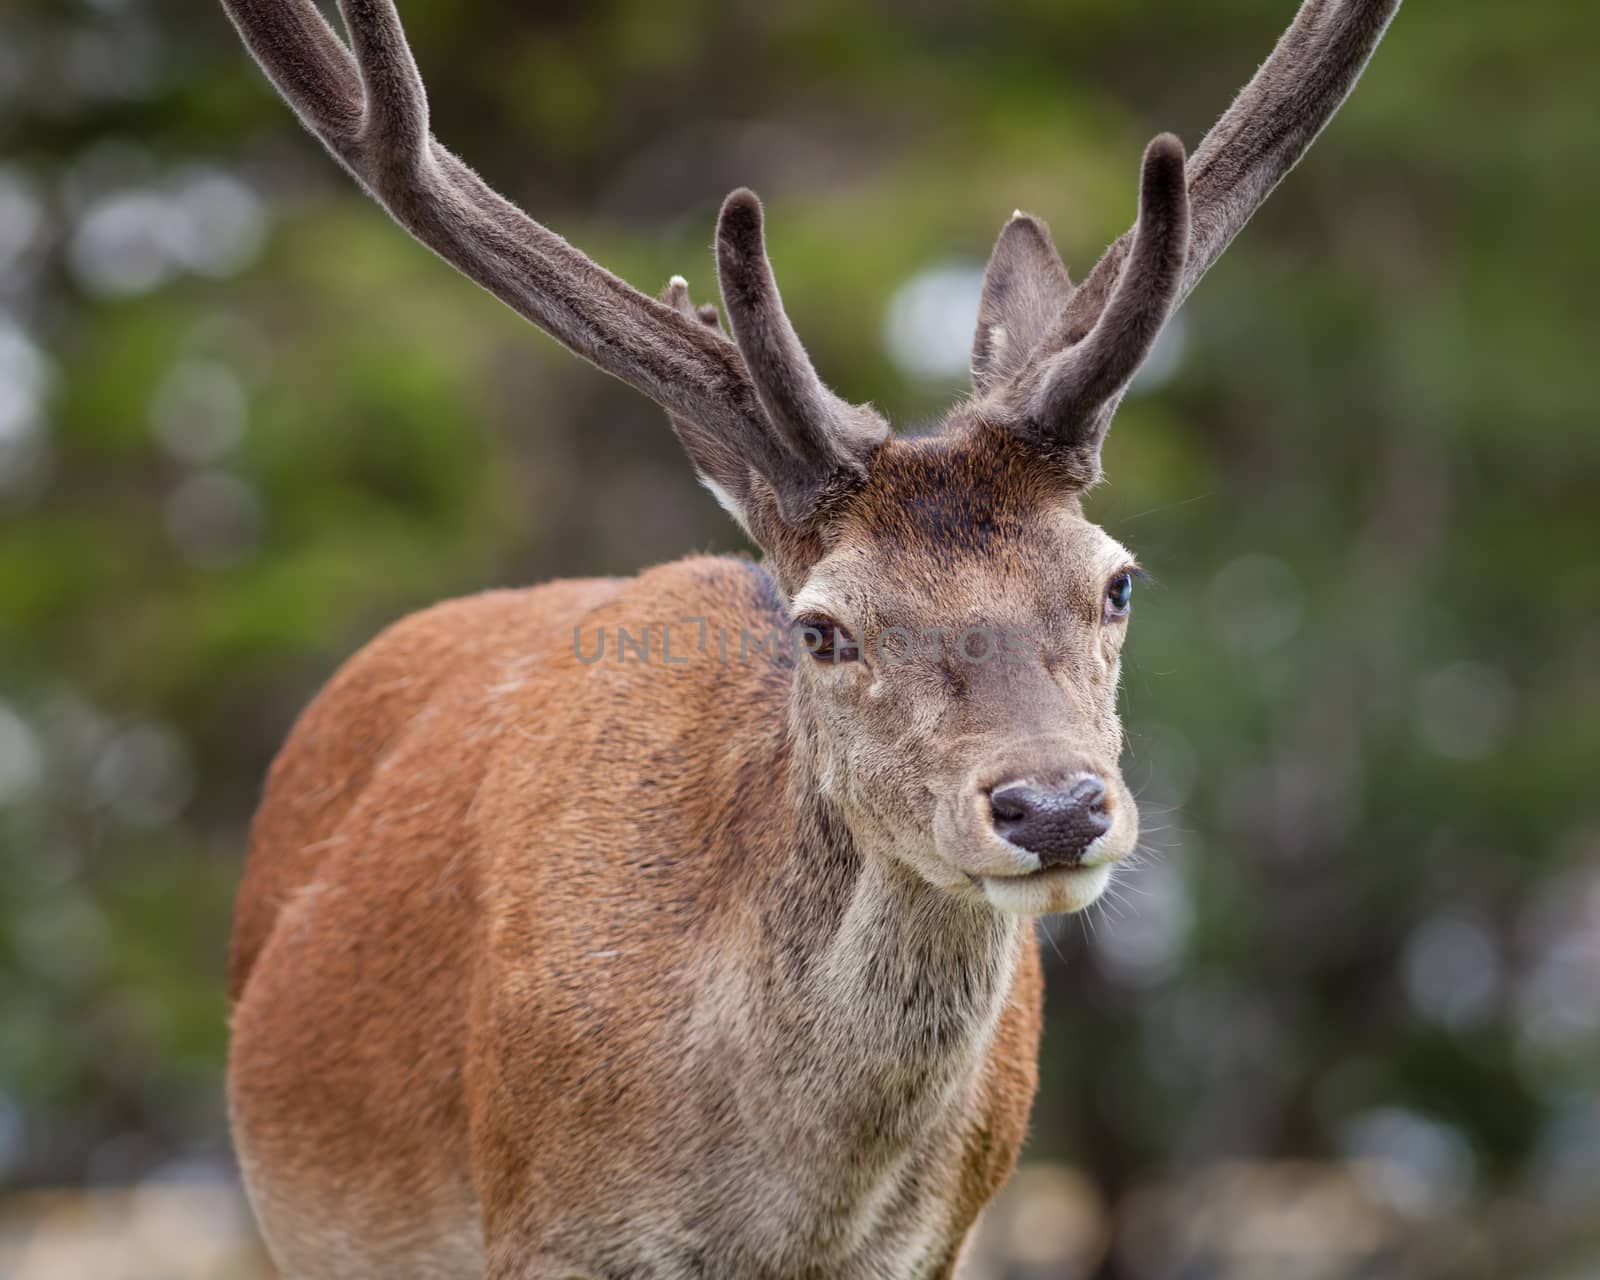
(1119, 595)
(826, 640)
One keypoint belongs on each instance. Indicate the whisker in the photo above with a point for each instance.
(1168, 506)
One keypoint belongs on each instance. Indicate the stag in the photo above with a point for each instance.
(717, 966)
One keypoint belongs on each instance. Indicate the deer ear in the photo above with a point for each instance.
(1025, 291)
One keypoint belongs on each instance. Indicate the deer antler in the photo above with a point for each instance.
(368, 106)
(811, 419)
(1066, 386)
(1079, 382)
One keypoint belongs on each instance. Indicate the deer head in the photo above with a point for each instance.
(964, 619)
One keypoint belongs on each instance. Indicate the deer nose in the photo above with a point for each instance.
(1054, 824)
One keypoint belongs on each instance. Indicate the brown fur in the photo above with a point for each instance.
(547, 966)
(604, 955)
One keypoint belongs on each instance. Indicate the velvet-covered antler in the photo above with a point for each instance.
(1059, 381)
(368, 106)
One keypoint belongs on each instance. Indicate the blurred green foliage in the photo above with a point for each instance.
(244, 422)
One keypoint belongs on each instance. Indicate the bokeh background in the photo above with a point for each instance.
(1344, 1019)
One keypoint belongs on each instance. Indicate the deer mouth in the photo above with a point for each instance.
(1052, 891)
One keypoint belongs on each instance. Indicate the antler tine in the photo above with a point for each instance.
(1262, 136)
(394, 125)
(676, 296)
(817, 425)
(722, 469)
(305, 60)
(1081, 384)
(368, 105)
(1276, 117)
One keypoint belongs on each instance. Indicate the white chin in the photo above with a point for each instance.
(1046, 893)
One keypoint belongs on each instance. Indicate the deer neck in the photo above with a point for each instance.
(875, 997)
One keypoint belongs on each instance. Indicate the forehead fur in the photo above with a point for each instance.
(968, 491)
(969, 526)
